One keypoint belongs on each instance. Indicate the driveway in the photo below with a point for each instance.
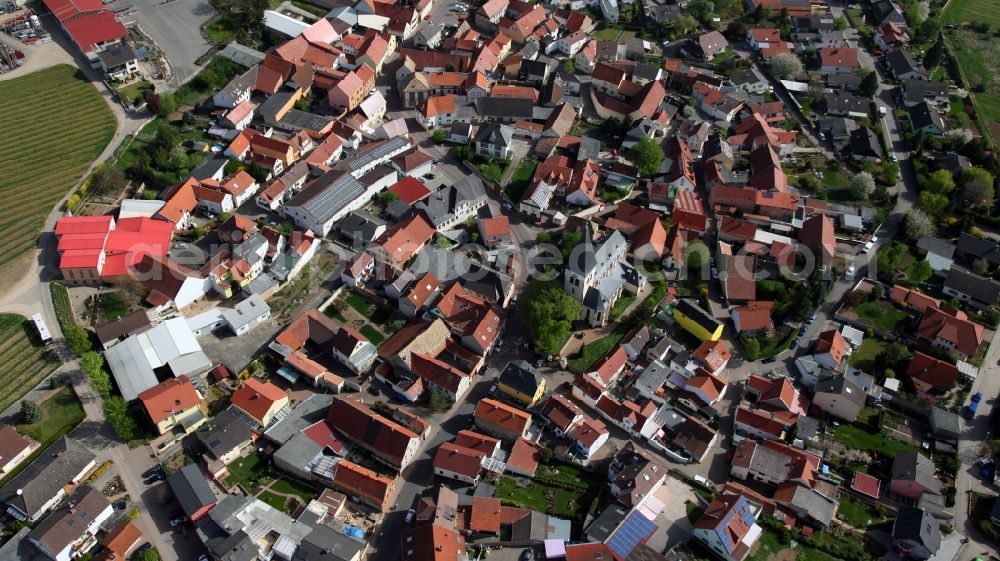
(175, 27)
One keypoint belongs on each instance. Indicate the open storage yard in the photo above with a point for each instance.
(41, 157)
(26, 362)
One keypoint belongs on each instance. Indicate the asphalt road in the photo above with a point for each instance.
(175, 27)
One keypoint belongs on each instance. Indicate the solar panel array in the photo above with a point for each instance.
(635, 530)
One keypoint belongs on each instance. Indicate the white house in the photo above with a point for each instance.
(589, 436)
(247, 314)
(572, 43)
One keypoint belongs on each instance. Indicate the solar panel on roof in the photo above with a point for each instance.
(635, 530)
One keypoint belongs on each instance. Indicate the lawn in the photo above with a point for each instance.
(568, 474)
(112, 306)
(61, 413)
(863, 440)
(857, 513)
(368, 309)
(246, 470)
(521, 179)
(492, 169)
(565, 503)
(311, 8)
(40, 157)
(621, 305)
(374, 335)
(134, 91)
(977, 65)
(593, 351)
(25, 361)
(960, 11)
(881, 314)
(768, 544)
(276, 501)
(606, 34)
(865, 357)
(289, 487)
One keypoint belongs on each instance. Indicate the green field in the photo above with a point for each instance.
(972, 11)
(55, 125)
(25, 361)
(881, 314)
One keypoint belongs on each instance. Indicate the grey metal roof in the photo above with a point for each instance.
(841, 386)
(324, 543)
(910, 465)
(382, 152)
(505, 108)
(442, 205)
(304, 414)
(328, 194)
(845, 103)
(817, 506)
(938, 247)
(191, 489)
(241, 54)
(945, 424)
(36, 484)
(247, 311)
(210, 167)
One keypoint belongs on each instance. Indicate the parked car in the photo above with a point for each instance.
(153, 470)
(769, 359)
(869, 244)
(410, 515)
(175, 522)
(849, 273)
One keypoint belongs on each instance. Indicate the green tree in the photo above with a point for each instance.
(940, 182)
(862, 185)
(920, 272)
(167, 105)
(977, 186)
(646, 155)
(934, 54)
(685, 24)
(786, 66)
(753, 349)
(890, 173)
(933, 204)
(895, 354)
(869, 84)
(980, 266)
(77, 339)
(106, 179)
(73, 203)
(918, 224)
(117, 414)
(568, 66)
(842, 23)
(92, 364)
(549, 313)
(569, 242)
(929, 29)
(150, 554)
(439, 135)
(437, 401)
(31, 412)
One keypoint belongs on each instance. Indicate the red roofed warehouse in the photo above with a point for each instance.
(88, 24)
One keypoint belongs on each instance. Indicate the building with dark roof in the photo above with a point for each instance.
(72, 530)
(191, 489)
(925, 118)
(521, 382)
(978, 291)
(46, 480)
(916, 534)
(864, 144)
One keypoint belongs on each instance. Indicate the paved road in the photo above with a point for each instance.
(175, 27)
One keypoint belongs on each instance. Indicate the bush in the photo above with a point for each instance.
(31, 412)
(77, 339)
(117, 414)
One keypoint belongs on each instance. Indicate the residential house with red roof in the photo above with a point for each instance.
(638, 418)
(753, 318)
(501, 420)
(494, 232)
(313, 333)
(354, 87)
(458, 462)
(387, 440)
(838, 60)
(420, 295)
(428, 351)
(174, 402)
(951, 330)
(472, 319)
(688, 211)
(911, 298)
(259, 402)
(642, 227)
(930, 374)
(737, 274)
(831, 349)
(588, 437)
(712, 356)
(96, 248)
(563, 415)
(706, 386)
(400, 244)
(817, 234)
(606, 371)
(363, 485)
(728, 527)
(410, 190)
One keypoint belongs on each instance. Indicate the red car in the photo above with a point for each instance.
(427, 18)
(461, 18)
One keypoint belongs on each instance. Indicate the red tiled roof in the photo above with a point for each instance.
(866, 484)
(753, 319)
(929, 372)
(458, 459)
(589, 552)
(407, 237)
(479, 442)
(589, 431)
(409, 190)
(838, 56)
(496, 414)
(256, 398)
(353, 479)
(561, 412)
(362, 425)
(611, 365)
(524, 456)
(485, 515)
(832, 342)
(171, 396)
(494, 227)
(713, 354)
